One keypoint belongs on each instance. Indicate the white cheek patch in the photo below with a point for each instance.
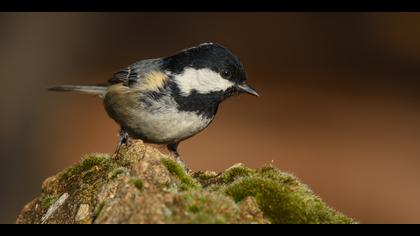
(202, 80)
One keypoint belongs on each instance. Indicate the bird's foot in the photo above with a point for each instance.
(123, 140)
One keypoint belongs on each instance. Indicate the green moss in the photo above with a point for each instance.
(272, 173)
(199, 207)
(85, 179)
(204, 175)
(88, 162)
(237, 195)
(205, 178)
(47, 200)
(187, 182)
(137, 183)
(235, 172)
(283, 199)
(116, 172)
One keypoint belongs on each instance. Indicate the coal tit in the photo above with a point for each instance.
(167, 100)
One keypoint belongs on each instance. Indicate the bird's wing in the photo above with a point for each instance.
(125, 76)
(135, 73)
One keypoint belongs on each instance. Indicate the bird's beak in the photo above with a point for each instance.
(244, 88)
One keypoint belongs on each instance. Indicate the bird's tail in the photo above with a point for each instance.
(98, 90)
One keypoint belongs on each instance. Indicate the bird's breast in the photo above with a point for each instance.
(154, 119)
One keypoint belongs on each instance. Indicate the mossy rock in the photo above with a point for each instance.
(140, 184)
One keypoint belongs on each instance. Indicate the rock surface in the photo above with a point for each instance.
(141, 184)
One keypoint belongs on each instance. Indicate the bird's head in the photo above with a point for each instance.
(208, 68)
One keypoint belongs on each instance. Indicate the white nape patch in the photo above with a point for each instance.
(207, 43)
(201, 80)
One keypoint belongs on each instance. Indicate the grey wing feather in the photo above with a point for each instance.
(135, 72)
(125, 76)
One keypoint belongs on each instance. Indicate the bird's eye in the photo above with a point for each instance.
(226, 74)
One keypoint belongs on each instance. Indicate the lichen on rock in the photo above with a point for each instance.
(140, 184)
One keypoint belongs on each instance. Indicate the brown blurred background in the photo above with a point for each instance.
(339, 103)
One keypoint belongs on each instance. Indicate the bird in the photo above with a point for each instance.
(170, 99)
